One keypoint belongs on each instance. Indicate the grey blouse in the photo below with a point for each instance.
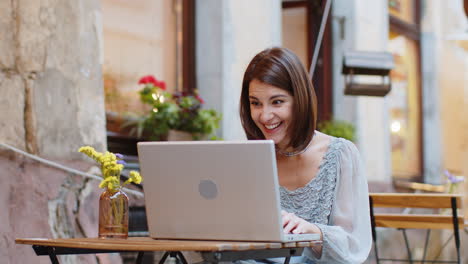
(337, 201)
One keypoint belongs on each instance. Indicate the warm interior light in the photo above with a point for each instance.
(396, 126)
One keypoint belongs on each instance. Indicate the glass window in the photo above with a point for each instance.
(404, 101)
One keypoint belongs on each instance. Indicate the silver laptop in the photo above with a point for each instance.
(213, 190)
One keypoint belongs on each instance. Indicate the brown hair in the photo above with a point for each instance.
(281, 68)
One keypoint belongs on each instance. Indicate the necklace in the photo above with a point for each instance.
(293, 153)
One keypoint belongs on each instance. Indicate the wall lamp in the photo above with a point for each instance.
(367, 73)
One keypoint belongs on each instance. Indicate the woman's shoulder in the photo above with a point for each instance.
(320, 142)
(337, 143)
(323, 140)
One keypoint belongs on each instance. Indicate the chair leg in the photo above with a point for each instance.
(140, 257)
(425, 245)
(374, 233)
(456, 227)
(410, 258)
(376, 253)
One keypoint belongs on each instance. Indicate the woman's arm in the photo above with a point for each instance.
(347, 238)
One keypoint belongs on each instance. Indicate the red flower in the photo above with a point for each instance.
(200, 99)
(161, 84)
(149, 79)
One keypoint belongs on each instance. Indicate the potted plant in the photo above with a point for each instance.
(177, 111)
(338, 128)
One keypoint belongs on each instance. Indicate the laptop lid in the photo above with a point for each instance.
(220, 190)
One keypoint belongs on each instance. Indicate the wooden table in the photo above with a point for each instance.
(211, 251)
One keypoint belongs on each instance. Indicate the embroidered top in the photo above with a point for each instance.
(313, 202)
(337, 201)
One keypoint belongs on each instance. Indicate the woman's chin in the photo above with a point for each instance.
(275, 140)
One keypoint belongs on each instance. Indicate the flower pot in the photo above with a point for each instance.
(177, 135)
(113, 214)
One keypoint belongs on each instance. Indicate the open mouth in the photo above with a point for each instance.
(273, 126)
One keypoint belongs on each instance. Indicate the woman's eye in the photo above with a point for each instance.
(275, 102)
(254, 103)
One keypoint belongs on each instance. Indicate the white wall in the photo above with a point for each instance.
(365, 28)
(139, 39)
(229, 34)
(452, 81)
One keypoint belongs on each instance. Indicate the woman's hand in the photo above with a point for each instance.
(296, 225)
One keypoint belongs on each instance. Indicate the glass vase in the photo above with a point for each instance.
(113, 214)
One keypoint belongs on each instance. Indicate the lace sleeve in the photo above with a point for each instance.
(347, 237)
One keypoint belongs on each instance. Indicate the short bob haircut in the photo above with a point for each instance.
(281, 68)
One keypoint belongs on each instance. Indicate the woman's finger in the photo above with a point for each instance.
(291, 225)
(299, 228)
(287, 217)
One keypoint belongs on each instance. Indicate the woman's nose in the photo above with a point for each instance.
(266, 115)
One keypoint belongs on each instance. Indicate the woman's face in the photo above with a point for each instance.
(271, 110)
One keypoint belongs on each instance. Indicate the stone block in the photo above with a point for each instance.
(56, 114)
(35, 27)
(7, 31)
(67, 118)
(12, 130)
(64, 74)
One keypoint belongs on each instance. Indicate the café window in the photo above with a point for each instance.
(405, 96)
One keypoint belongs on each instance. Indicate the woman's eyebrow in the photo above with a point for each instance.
(277, 96)
(272, 97)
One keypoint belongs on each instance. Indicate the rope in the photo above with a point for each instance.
(64, 168)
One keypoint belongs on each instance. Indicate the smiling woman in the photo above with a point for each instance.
(323, 189)
(271, 111)
(274, 69)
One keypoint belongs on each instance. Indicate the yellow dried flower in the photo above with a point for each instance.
(111, 183)
(134, 177)
(111, 167)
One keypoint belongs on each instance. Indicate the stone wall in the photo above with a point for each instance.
(51, 103)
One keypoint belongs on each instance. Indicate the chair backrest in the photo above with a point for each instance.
(449, 220)
(418, 187)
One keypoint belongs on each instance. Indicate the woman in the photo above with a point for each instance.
(323, 187)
